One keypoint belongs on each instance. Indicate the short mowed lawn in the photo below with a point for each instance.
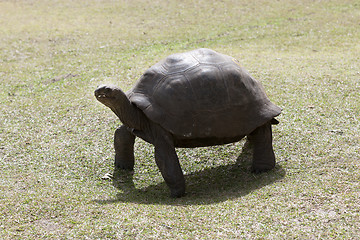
(56, 139)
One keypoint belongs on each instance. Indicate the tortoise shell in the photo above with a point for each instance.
(202, 94)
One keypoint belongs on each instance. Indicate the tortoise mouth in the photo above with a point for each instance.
(101, 95)
(104, 98)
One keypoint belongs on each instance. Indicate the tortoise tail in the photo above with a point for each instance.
(274, 121)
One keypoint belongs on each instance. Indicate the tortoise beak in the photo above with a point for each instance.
(103, 92)
(100, 95)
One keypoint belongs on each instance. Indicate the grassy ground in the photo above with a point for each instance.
(56, 139)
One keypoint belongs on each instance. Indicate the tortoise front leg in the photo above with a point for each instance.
(124, 148)
(263, 155)
(168, 163)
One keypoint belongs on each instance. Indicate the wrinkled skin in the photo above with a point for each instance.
(136, 123)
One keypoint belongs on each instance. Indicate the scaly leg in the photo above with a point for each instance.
(124, 148)
(263, 156)
(168, 163)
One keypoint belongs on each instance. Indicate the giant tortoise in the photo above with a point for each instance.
(191, 99)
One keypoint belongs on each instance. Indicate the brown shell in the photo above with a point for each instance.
(201, 94)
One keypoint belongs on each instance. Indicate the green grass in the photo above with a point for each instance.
(56, 139)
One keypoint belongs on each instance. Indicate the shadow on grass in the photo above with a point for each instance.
(203, 187)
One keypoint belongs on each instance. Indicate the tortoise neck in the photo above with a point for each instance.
(127, 112)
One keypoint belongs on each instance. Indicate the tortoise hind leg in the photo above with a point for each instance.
(124, 148)
(263, 155)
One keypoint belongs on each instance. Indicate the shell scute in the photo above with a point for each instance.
(178, 63)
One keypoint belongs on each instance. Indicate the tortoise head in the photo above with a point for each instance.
(108, 95)
(114, 98)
